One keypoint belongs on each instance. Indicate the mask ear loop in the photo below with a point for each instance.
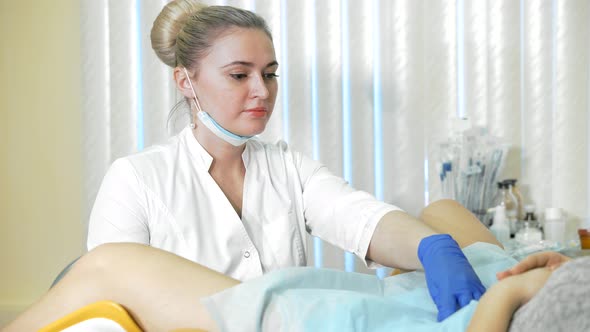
(194, 100)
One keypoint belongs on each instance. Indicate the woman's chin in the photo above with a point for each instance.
(255, 130)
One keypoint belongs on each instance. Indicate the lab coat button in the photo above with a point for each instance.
(246, 254)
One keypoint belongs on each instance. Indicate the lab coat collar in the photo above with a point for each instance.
(200, 154)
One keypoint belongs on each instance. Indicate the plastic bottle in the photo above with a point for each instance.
(530, 217)
(500, 228)
(529, 233)
(516, 192)
(499, 195)
(584, 233)
(511, 204)
(498, 199)
(554, 225)
(584, 238)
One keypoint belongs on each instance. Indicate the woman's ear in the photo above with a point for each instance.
(182, 82)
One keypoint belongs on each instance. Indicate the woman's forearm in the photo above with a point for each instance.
(396, 239)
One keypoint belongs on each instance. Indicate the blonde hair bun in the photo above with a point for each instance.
(168, 25)
(185, 30)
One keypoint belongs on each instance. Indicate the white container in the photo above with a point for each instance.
(528, 234)
(554, 225)
(500, 227)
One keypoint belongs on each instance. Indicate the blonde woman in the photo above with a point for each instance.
(220, 197)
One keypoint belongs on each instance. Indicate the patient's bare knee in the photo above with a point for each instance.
(448, 216)
(100, 262)
(443, 207)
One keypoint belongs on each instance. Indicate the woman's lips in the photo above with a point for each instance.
(257, 112)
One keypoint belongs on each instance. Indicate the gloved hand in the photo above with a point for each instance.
(451, 281)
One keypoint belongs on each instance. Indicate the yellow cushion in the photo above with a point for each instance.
(102, 309)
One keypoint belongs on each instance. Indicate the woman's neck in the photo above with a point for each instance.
(223, 153)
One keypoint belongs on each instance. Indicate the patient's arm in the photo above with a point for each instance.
(548, 259)
(516, 287)
(496, 307)
(160, 290)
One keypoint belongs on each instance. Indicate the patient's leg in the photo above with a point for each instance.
(159, 289)
(448, 216)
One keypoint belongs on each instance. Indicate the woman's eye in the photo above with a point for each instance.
(238, 76)
(269, 76)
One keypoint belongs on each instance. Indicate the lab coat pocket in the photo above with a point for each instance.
(283, 238)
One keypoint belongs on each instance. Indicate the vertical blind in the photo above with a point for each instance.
(368, 87)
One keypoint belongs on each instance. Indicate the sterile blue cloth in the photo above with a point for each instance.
(309, 299)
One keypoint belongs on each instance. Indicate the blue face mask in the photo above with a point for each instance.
(212, 125)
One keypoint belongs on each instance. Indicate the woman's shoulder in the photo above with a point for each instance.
(158, 151)
(155, 159)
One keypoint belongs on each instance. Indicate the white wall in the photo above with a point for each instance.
(41, 226)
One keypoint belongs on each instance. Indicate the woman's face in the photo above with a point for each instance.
(236, 81)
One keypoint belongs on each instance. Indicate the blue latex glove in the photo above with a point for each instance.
(451, 281)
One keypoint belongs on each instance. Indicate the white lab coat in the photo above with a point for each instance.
(165, 197)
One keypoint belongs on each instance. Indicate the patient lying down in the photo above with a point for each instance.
(163, 291)
(321, 300)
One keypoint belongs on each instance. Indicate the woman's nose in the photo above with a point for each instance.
(259, 88)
